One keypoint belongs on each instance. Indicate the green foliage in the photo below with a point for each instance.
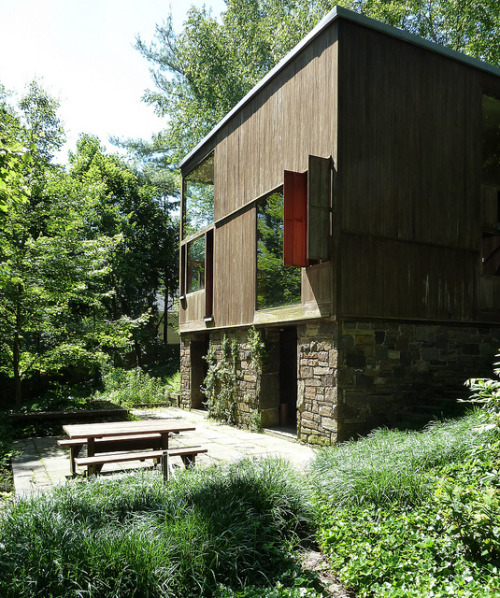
(83, 253)
(208, 532)
(413, 514)
(51, 273)
(221, 381)
(276, 284)
(391, 466)
(486, 393)
(134, 387)
(128, 206)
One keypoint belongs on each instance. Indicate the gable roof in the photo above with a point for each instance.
(333, 15)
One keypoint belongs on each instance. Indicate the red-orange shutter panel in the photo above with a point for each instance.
(295, 219)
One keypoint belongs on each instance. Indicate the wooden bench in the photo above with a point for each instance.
(187, 453)
(111, 444)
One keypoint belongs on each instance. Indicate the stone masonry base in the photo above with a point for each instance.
(352, 376)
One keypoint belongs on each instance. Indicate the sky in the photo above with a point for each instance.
(82, 52)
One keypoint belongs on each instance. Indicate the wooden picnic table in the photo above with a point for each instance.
(128, 428)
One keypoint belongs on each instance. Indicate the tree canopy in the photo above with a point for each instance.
(203, 71)
(84, 250)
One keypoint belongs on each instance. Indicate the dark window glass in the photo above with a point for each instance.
(199, 197)
(277, 284)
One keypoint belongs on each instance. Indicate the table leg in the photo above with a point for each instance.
(164, 441)
(90, 447)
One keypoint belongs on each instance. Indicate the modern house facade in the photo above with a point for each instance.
(348, 210)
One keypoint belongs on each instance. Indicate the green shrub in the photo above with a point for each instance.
(206, 532)
(132, 387)
(411, 514)
(392, 466)
(486, 392)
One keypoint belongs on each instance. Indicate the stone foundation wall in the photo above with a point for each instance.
(248, 382)
(317, 404)
(390, 372)
(185, 371)
(354, 376)
(247, 401)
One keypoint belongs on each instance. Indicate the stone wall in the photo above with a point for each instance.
(317, 406)
(390, 372)
(248, 381)
(354, 376)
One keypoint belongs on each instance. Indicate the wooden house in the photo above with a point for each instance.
(348, 210)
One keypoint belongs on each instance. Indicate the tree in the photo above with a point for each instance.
(201, 73)
(52, 311)
(129, 205)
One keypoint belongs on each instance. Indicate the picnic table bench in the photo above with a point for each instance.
(125, 441)
(111, 444)
(187, 453)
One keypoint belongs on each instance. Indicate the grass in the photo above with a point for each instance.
(392, 466)
(405, 514)
(207, 533)
(398, 514)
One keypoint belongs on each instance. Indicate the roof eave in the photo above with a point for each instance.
(333, 15)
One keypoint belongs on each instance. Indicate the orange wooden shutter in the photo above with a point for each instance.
(295, 219)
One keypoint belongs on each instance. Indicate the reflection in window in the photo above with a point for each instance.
(276, 284)
(196, 265)
(199, 197)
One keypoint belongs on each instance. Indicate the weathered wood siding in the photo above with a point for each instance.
(292, 117)
(234, 270)
(409, 176)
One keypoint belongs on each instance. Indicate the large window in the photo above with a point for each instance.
(199, 197)
(196, 265)
(277, 285)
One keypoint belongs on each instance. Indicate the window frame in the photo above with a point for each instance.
(258, 202)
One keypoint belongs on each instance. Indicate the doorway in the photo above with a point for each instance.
(288, 377)
(199, 350)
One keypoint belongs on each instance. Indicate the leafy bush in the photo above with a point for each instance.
(208, 532)
(413, 514)
(133, 387)
(486, 392)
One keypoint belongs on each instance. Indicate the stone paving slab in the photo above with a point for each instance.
(41, 463)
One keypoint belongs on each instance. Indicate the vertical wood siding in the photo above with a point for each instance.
(409, 179)
(292, 117)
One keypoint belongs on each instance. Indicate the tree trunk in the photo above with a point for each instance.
(17, 374)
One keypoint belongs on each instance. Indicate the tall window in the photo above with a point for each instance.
(199, 197)
(196, 265)
(277, 285)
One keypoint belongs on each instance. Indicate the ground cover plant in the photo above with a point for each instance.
(407, 514)
(226, 531)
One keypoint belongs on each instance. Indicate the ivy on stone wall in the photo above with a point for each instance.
(221, 382)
